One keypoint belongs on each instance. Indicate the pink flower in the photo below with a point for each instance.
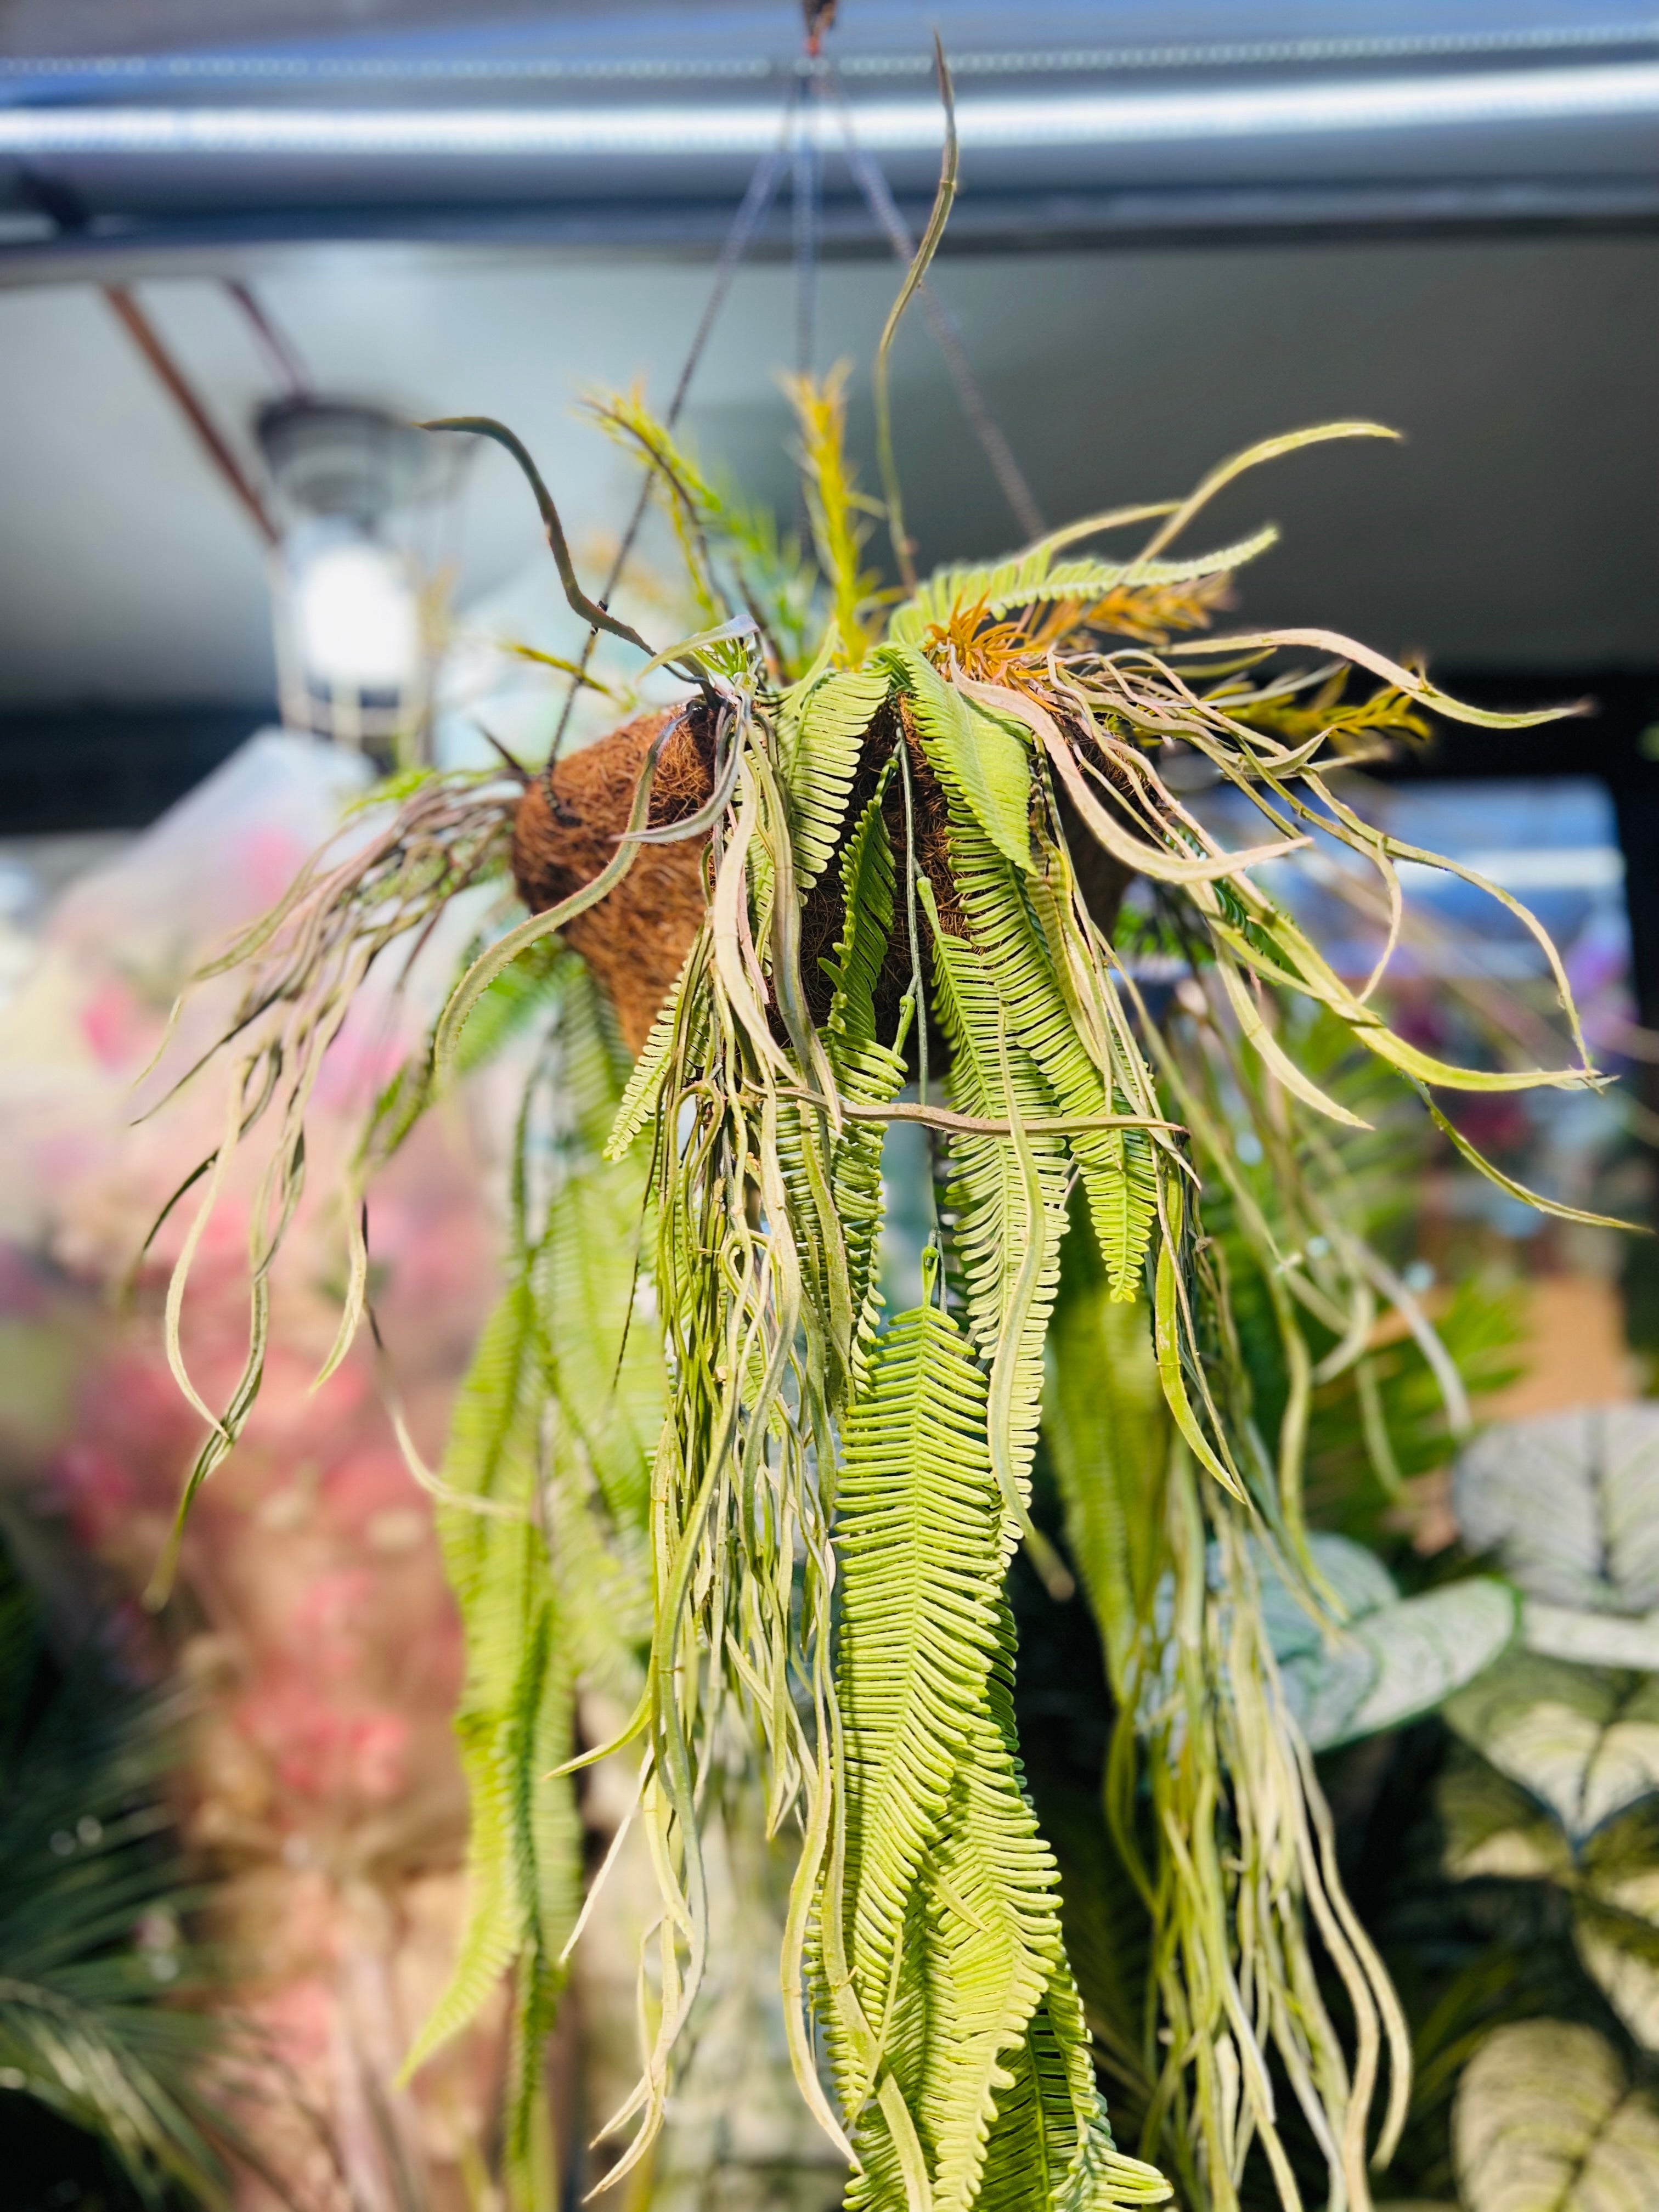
(324, 1748)
(326, 1629)
(98, 1490)
(380, 1753)
(115, 1025)
(370, 1480)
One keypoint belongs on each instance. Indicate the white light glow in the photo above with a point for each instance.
(1456, 99)
(355, 619)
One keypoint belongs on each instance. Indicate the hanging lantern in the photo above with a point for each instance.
(361, 573)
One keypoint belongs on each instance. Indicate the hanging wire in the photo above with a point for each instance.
(947, 332)
(762, 187)
(276, 348)
(172, 375)
(797, 146)
(808, 181)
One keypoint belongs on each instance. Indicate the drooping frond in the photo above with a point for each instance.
(981, 759)
(1008, 1213)
(1091, 1056)
(694, 1464)
(965, 2052)
(495, 1559)
(866, 1069)
(543, 1502)
(643, 1093)
(919, 1537)
(1108, 1432)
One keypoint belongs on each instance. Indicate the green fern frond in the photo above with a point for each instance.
(550, 1444)
(1034, 580)
(922, 1543)
(1119, 1173)
(983, 759)
(823, 724)
(1025, 984)
(547, 1856)
(643, 1090)
(996, 1923)
(864, 1067)
(602, 1350)
(995, 1227)
(1106, 1429)
(953, 1934)
(495, 1563)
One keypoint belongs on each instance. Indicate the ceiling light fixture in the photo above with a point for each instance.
(357, 582)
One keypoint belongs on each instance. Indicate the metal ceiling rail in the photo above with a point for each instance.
(51, 73)
(1212, 114)
(658, 166)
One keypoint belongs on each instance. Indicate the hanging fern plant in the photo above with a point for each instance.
(870, 871)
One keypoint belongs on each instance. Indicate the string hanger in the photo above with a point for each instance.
(797, 148)
(820, 15)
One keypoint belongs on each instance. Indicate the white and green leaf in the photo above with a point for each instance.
(1546, 2120)
(1585, 1740)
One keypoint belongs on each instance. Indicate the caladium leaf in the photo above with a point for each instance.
(1393, 1658)
(1371, 1660)
(1615, 1927)
(1494, 1829)
(1583, 1740)
(1569, 1503)
(1591, 1639)
(1547, 2121)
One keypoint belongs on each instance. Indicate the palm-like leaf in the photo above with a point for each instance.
(95, 1988)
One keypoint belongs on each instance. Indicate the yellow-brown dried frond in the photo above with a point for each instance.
(1151, 614)
(998, 651)
(838, 509)
(1351, 726)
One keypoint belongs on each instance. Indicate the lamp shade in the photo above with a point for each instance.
(364, 502)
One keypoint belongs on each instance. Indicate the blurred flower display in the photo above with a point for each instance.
(310, 1617)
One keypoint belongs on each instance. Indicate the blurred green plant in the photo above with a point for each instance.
(102, 2021)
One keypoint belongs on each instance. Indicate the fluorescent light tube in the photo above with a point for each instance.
(994, 121)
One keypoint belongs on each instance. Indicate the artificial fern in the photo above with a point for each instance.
(697, 1462)
(957, 2018)
(544, 1495)
(1035, 579)
(822, 725)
